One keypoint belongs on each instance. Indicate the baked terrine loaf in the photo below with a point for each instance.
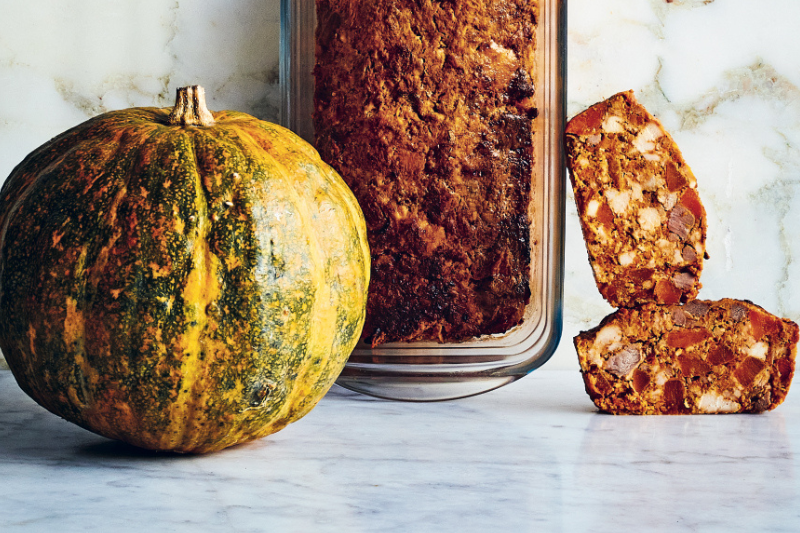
(726, 356)
(426, 110)
(640, 213)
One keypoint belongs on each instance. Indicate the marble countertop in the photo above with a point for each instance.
(532, 456)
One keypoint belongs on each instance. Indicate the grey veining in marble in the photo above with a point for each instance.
(532, 456)
(64, 61)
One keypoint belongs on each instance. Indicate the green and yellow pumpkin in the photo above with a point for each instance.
(179, 279)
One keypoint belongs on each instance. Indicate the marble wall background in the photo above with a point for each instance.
(722, 75)
(63, 61)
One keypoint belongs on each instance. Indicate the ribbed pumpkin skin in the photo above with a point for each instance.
(179, 288)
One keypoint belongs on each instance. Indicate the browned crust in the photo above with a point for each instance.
(722, 356)
(426, 110)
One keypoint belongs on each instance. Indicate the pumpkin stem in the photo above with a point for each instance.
(190, 108)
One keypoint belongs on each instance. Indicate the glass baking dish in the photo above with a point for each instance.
(426, 371)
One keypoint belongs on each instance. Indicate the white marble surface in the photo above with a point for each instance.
(64, 61)
(532, 456)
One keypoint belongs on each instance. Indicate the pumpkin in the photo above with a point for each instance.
(179, 279)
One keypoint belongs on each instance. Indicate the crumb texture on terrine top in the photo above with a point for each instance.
(426, 110)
